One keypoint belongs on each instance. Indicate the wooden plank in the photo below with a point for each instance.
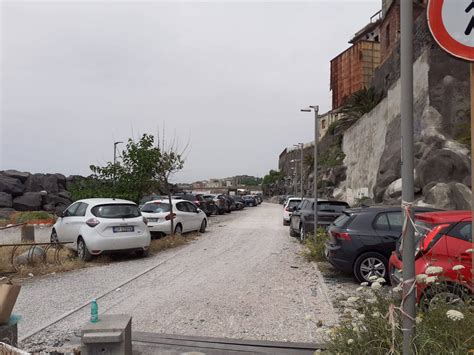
(225, 344)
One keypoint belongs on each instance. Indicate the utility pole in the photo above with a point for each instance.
(115, 155)
(315, 108)
(406, 109)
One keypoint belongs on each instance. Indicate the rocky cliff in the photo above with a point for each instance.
(22, 191)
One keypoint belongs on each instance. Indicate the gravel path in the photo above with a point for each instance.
(243, 278)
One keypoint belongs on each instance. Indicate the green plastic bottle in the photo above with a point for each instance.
(94, 311)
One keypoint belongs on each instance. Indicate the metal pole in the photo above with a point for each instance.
(301, 171)
(472, 160)
(406, 108)
(315, 172)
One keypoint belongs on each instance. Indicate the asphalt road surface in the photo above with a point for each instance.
(244, 278)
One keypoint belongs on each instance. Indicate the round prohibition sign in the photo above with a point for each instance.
(452, 24)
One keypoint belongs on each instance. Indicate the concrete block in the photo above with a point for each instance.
(112, 334)
(27, 234)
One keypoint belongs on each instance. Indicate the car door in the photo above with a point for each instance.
(185, 217)
(458, 241)
(194, 215)
(388, 226)
(296, 215)
(64, 227)
(307, 216)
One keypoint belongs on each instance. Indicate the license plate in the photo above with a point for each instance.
(152, 219)
(120, 229)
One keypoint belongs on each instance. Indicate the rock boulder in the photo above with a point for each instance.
(22, 176)
(11, 185)
(29, 201)
(5, 200)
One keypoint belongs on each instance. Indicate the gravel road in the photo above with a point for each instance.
(243, 278)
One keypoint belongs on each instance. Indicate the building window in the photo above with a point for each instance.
(323, 124)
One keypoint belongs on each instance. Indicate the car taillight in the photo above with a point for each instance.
(342, 236)
(287, 209)
(170, 216)
(145, 220)
(197, 203)
(92, 222)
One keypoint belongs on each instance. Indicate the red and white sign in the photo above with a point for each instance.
(452, 24)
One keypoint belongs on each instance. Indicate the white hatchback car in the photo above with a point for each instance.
(102, 225)
(288, 208)
(187, 217)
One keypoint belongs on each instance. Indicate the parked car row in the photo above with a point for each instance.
(98, 226)
(366, 242)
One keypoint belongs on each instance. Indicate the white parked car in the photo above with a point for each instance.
(187, 217)
(288, 208)
(102, 225)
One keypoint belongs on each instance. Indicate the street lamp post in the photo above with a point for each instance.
(315, 108)
(301, 170)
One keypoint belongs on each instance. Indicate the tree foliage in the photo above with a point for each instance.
(144, 168)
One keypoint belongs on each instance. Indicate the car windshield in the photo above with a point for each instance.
(156, 207)
(293, 203)
(116, 210)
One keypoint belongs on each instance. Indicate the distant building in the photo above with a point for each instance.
(199, 184)
(353, 69)
(326, 119)
(390, 25)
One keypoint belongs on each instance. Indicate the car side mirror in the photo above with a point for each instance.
(198, 210)
(60, 214)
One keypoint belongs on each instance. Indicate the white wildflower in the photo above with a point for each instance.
(421, 278)
(470, 251)
(361, 316)
(328, 332)
(373, 278)
(434, 270)
(359, 289)
(458, 267)
(381, 280)
(371, 300)
(350, 341)
(376, 314)
(431, 279)
(352, 299)
(397, 289)
(364, 284)
(418, 319)
(454, 315)
(376, 286)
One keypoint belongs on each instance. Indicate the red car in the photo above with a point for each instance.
(445, 240)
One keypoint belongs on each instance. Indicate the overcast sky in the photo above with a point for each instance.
(229, 77)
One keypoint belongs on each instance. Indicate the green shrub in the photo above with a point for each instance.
(314, 250)
(22, 217)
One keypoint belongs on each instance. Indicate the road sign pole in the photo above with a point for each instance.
(406, 107)
(315, 182)
(472, 160)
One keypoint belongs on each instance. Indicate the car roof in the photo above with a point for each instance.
(101, 201)
(173, 201)
(377, 209)
(444, 216)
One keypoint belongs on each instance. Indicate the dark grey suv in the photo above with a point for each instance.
(302, 217)
(362, 239)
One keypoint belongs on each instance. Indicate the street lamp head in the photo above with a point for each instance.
(305, 110)
(315, 107)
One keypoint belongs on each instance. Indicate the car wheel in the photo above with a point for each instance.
(203, 226)
(369, 265)
(452, 295)
(142, 253)
(54, 237)
(82, 251)
(302, 234)
(221, 212)
(178, 230)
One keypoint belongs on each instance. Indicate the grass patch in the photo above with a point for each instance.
(29, 217)
(365, 328)
(314, 250)
(169, 241)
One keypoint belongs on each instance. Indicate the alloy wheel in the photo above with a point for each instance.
(372, 267)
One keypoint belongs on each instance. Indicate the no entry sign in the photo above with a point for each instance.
(452, 24)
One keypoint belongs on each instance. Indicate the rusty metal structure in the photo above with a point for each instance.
(353, 70)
